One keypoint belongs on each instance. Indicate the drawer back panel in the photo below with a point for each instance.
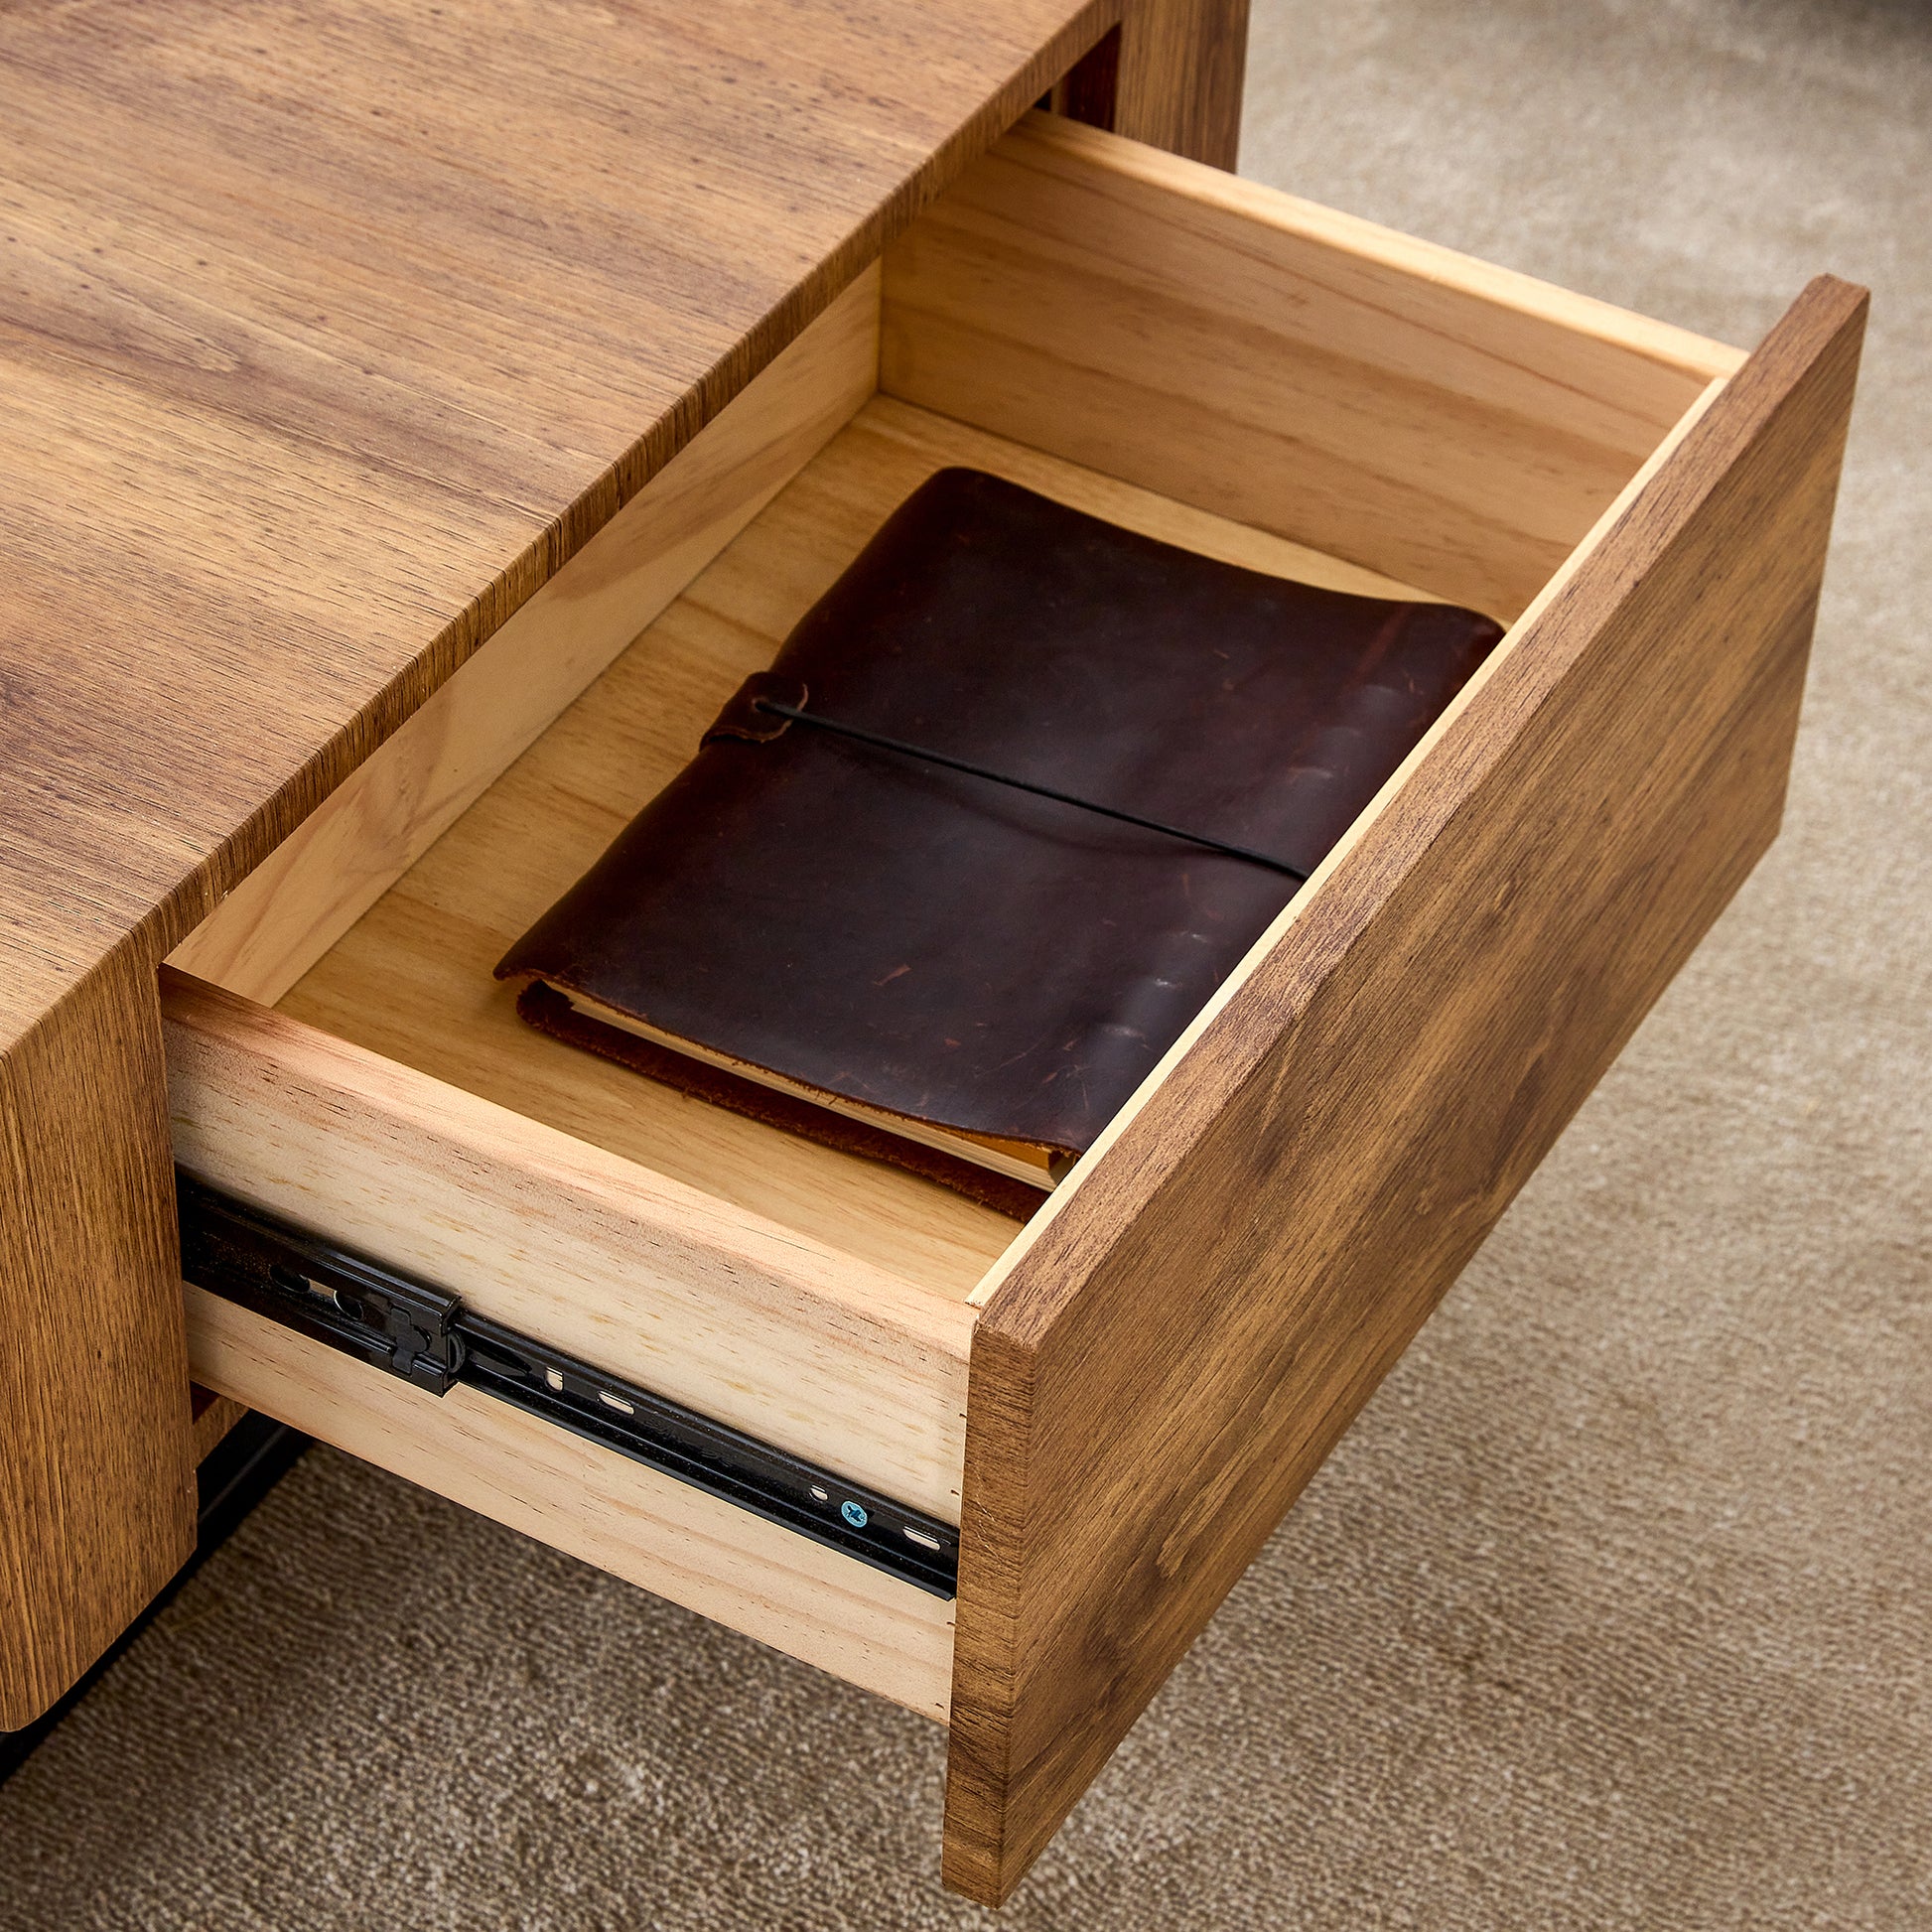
(1396, 404)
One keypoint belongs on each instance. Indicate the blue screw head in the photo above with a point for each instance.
(853, 1513)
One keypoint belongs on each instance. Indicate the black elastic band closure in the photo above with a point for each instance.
(884, 744)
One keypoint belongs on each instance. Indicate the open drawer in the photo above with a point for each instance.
(1114, 1404)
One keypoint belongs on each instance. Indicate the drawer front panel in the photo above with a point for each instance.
(1200, 1320)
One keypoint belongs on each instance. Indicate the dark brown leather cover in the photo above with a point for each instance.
(953, 950)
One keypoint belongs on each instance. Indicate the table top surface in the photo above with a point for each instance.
(330, 331)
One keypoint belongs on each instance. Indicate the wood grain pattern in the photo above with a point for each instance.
(748, 1323)
(663, 1535)
(1179, 1349)
(332, 332)
(329, 333)
(1177, 82)
(412, 981)
(387, 813)
(1447, 423)
(96, 1463)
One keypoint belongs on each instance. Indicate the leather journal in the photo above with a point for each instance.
(1016, 795)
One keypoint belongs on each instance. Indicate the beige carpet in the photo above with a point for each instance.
(1614, 1609)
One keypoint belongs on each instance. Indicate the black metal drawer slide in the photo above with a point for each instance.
(410, 1330)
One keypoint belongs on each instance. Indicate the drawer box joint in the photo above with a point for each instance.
(424, 1336)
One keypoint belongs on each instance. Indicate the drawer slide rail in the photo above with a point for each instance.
(424, 1336)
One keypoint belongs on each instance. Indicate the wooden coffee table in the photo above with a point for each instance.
(417, 420)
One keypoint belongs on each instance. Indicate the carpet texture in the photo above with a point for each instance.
(1612, 1610)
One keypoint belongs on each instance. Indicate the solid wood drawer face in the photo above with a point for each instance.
(1115, 1401)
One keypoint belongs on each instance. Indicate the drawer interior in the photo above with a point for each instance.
(411, 980)
(1183, 352)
